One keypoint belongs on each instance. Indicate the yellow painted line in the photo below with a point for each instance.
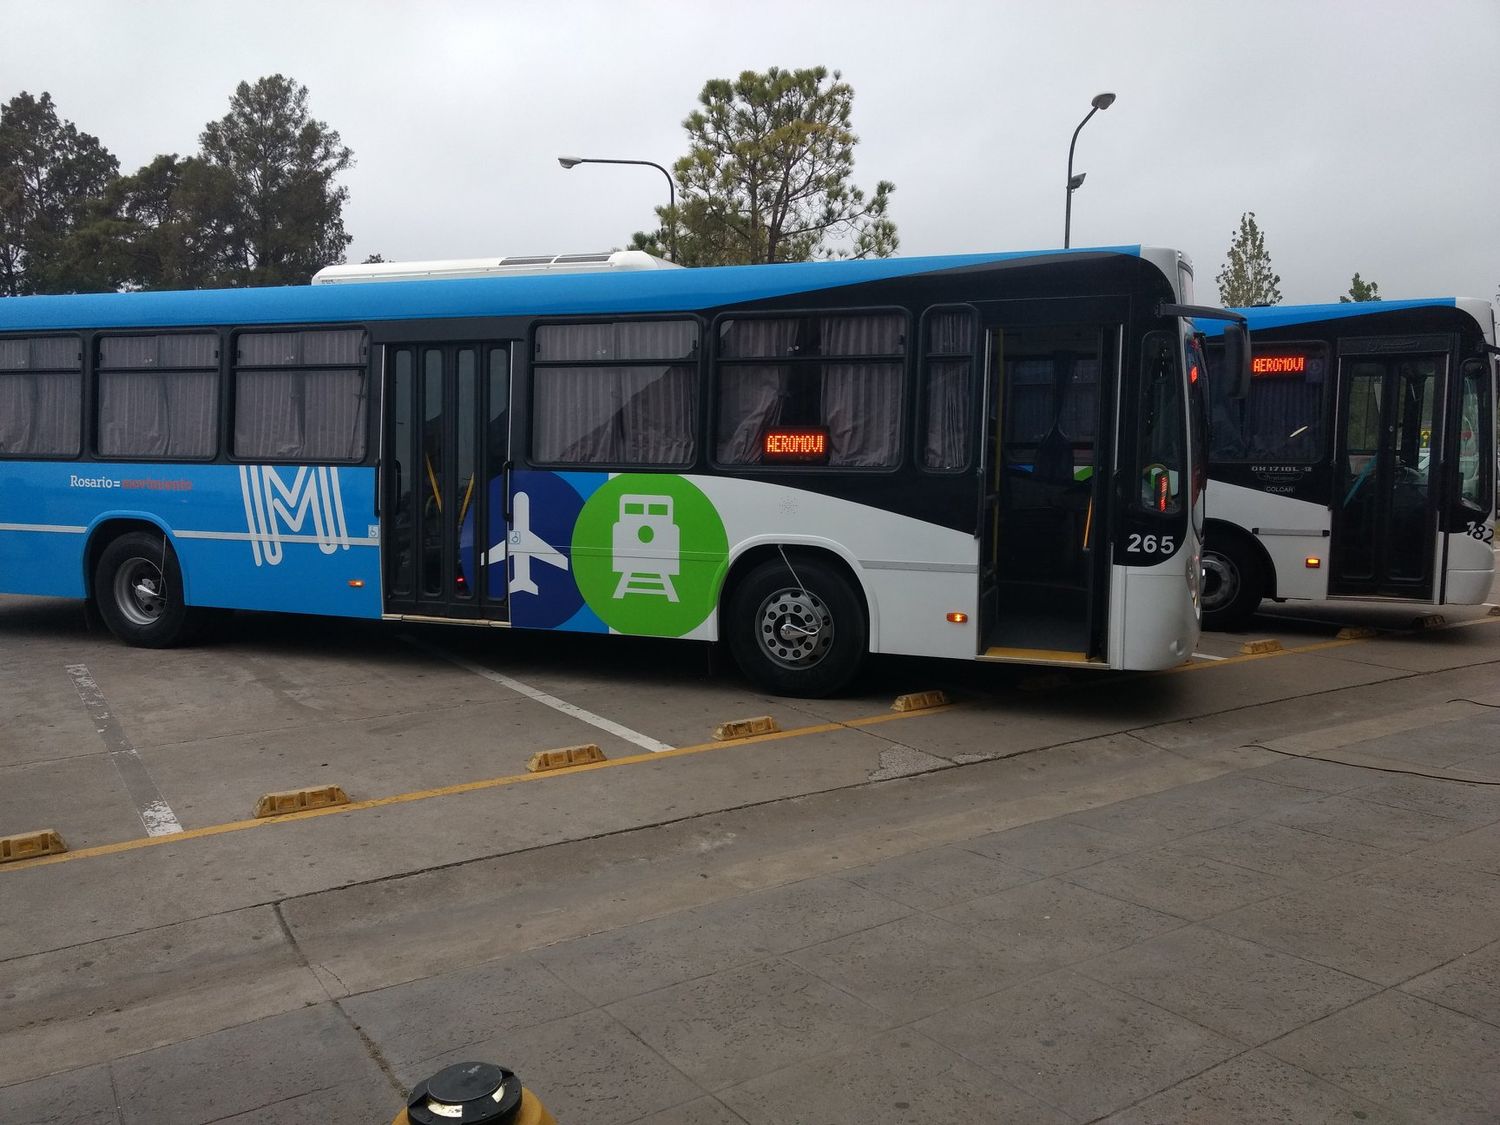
(460, 788)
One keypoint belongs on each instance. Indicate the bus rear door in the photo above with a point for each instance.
(446, 447)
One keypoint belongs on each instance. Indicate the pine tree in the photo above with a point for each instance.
(768, 176)
(1361, 291)
(1246, 278)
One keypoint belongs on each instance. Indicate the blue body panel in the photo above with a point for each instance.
(1280, 316)
(287, 538)
(666, 290)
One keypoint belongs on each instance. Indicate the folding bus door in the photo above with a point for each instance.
(446, 448)
(1053, 376)
(1387, 462)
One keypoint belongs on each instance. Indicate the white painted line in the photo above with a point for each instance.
(1205, 656)
(645, 742)
(156, 815)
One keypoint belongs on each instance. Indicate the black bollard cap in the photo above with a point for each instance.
(471, 1093)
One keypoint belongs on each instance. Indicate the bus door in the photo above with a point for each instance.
(444, 480)
(1053, 374)
(1387, 447)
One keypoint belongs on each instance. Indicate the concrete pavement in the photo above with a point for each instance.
(1123, 904)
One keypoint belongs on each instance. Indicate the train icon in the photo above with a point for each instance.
(647, 547)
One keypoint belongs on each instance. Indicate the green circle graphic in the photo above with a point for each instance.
(648, 554)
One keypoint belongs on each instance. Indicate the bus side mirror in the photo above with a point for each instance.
(1237, 359)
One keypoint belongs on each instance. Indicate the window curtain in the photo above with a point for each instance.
(949, 393)
(949, 389)
(39, 412)
(657, 414)
(334, 411)
(268, 415)
(158, 413)
(575, 412)
(862, 410)
(749, 401)
(861, 335)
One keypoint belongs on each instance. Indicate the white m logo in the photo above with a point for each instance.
(275, 511)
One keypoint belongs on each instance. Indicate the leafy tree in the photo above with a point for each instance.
(767, 177)
(278, 212)
(51, 175)
(167, 226)
(1361, 291)
(1246, 278)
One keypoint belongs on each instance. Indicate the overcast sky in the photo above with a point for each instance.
(1361, 133)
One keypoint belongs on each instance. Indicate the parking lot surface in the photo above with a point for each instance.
(1261, 887)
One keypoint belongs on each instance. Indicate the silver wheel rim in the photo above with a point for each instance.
(140, 591)
(1221, 581)
(794, 628)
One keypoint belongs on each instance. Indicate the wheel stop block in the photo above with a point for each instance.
(920, 701)
(1259, 648)
(29, 845)
(300, 800)
(745, 728)
(1356, 633)
(565, 757)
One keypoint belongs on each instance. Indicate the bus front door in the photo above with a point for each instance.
(1384, 525)
(1051, 394)
(443, 480)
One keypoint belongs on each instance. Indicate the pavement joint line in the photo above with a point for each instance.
(464, 787)
(156, 815)
(619, 730)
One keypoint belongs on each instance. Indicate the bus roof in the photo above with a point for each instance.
(1281, 316)
(667, 290)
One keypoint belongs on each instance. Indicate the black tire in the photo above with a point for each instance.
(138, 588)
(803, 638)
(1234, 582)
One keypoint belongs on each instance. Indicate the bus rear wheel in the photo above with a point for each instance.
(138, 587)
(797, 630)
(1233, 584)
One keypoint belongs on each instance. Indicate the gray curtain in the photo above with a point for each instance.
(862, 410)
(614, 415)
(949, 399)
(749, 401)
(158, 413)
(40, 412)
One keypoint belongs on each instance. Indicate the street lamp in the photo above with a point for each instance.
(1101, 101)
(574, 161)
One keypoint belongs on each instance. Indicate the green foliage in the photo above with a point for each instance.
(49, 174)
(258, 205)
(1246, 278)
(767, 177)
(281, 213)
(1361, 291)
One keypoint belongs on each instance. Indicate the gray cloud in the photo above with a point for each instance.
(1360, 133)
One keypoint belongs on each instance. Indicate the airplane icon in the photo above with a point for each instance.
(526, 546)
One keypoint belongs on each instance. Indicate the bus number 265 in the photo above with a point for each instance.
(1151, 544)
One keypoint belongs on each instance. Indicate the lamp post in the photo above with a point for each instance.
(574, 161)
(1101, 101)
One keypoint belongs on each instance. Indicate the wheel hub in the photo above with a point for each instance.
(138, 591)
(795, 628)
(1221, 581)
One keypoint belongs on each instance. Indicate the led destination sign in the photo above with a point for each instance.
(805, 445)
(1282, 363)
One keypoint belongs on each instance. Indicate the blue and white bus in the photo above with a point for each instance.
(985, 457)
(1361, 463)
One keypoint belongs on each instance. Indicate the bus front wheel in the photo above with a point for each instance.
(797, 628)
(138, 587)
(1233, 584)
